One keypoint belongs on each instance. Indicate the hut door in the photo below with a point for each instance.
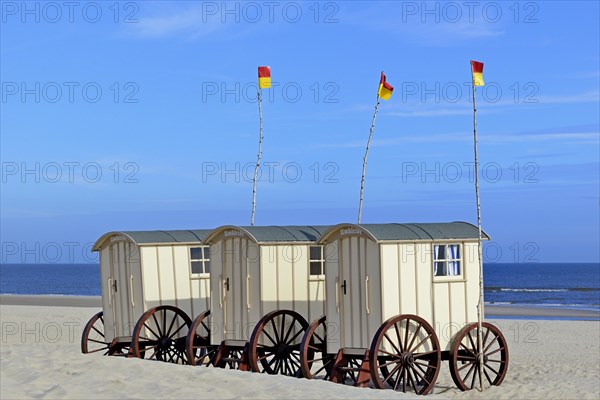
(235, 278)
(119, 291)
(351, 292)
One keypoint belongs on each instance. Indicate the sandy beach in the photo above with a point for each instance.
(40, 358)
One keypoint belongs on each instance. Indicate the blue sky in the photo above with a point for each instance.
(143, 115)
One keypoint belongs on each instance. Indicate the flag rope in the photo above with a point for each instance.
(364, 169)
(260, 140)
(479, 248)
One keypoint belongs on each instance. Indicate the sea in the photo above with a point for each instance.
(564, 285)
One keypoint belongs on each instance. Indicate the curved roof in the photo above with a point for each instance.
(412, 231)
(271, 234)
(156, 237)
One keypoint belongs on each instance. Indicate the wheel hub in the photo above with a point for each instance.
(164, 343)
(283, 350)
(407, 359)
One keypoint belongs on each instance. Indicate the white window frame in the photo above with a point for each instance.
(315, 277)
(204, 259)
(448, 259)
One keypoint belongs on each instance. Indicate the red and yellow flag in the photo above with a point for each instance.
(477, 70)
(264, 77)
(385, 89)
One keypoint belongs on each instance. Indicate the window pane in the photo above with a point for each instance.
(316, 268)
(439, 252)
(315, 252)
(195, 253)
(197, 267)
(207, 266)
(457, 251)
(439, 268)
(454, 268)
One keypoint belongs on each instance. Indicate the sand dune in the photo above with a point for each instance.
(40, 358)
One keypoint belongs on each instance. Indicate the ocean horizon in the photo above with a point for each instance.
(559, 285)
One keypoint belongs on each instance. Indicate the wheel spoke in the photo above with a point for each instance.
(487, 377)
(487, 332)
(475, 372)
(171, 326)
(398, 337)
(410, 379)
(392, 343)
(205, 326)
(152, 330)
(282, 328)
(97, 350)
(472, 351)
(274, 331)
(427, 365)
(294, 337)
(387, 363)
(494, 352)
(407, 329)
(422, 341)
(315, 334)
(475, 348)
(473, 365)
(466, 365)
(97, 330)
(392, 372)
(269, 336)
(177, 331)
(289, 330)
(97, 341)
(409, 347)
(491, 343)
(487, 366)
(395, 355)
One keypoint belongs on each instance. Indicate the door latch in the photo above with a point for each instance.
(115, 285)
(344, 286)
(227, 284)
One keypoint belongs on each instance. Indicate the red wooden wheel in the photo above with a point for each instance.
(405, 355)
(197, 344)
(92, 338)
(274, 347)
(314, 359)
(160, 334)
(465, 360)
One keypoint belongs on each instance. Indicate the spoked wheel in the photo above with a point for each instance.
(314, 359)
(464, 356)
(197, 343)
(92, 338)
(275, 343)
(405, 355)
(160, 334)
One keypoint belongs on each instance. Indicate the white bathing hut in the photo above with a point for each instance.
(258, 271)
(143, 270)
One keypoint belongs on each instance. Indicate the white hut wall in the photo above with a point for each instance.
(407, 276)
(455, 298)
(286, 282)
(168, 281)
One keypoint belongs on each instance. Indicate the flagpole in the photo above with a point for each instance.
(479, 247)
(260, 139)
(364, 169)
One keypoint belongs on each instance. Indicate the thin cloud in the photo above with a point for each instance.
(189, 22)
